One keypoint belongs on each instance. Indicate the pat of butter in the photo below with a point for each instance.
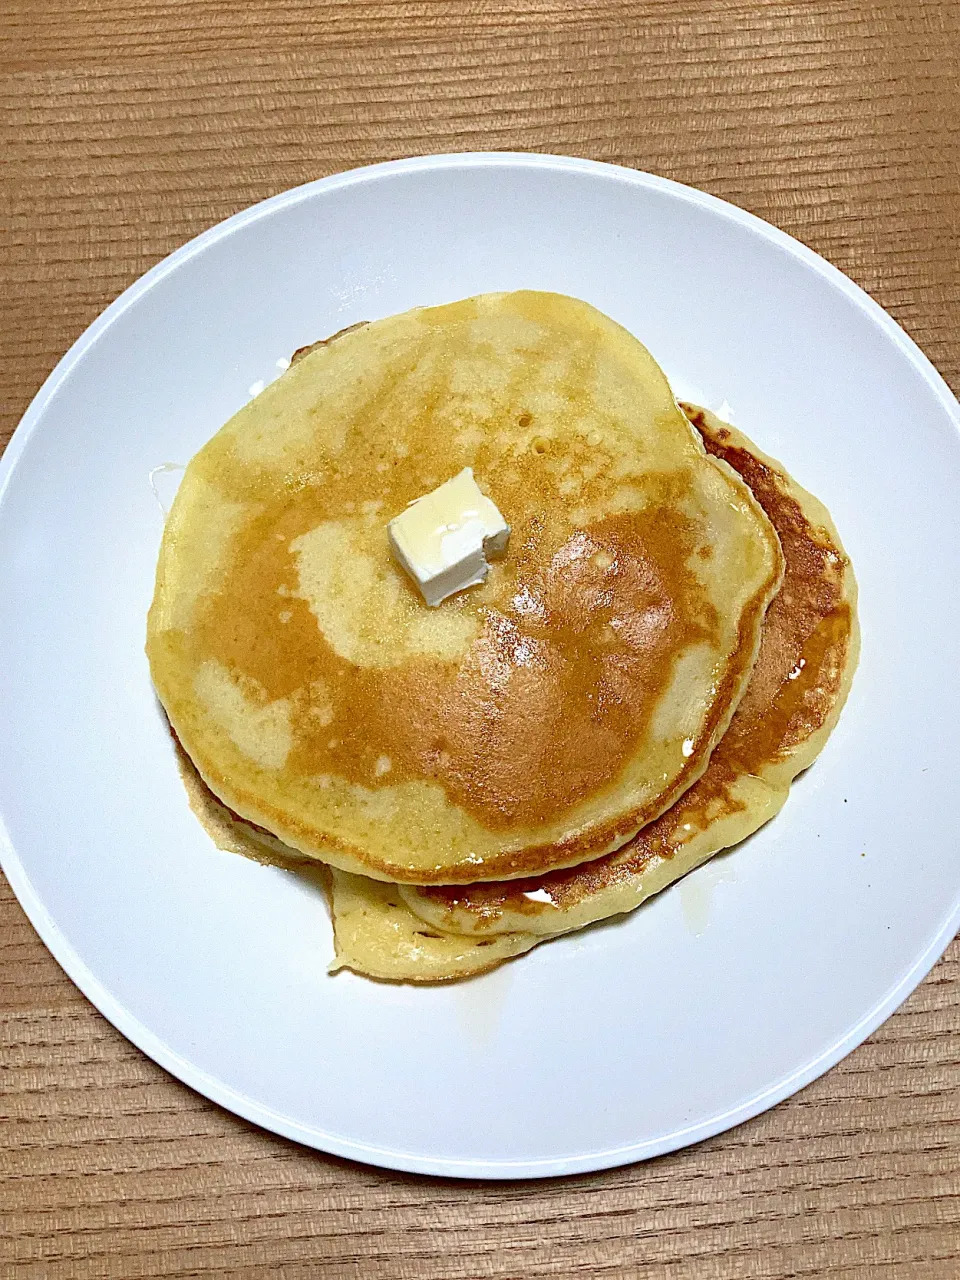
(443, 539)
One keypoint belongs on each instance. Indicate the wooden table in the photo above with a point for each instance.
(129, 126)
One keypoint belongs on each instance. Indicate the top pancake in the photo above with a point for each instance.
(530, 723)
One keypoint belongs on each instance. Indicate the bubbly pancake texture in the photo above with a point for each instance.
(528, 724)
(808, 655)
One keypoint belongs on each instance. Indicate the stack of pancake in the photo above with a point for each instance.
(666, 644)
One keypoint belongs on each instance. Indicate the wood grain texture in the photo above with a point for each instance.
(130, 125)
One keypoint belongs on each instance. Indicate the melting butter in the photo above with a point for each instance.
(445, 539)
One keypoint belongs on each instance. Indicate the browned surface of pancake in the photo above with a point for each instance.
(792, 694)
(545, 708)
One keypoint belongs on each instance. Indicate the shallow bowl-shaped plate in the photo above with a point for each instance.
(720, 997)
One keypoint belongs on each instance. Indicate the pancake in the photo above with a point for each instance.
(803, 673)
(807, 659)
(530, 723)
(377, 935)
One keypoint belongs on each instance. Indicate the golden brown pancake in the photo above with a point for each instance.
(530, 723)
(807, 659)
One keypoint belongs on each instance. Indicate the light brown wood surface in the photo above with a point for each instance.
(130, 125)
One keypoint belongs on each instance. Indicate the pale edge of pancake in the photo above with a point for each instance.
(377, 934)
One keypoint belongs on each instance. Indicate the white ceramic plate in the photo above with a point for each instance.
(720, 997)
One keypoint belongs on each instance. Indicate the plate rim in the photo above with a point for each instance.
(248, 1108)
